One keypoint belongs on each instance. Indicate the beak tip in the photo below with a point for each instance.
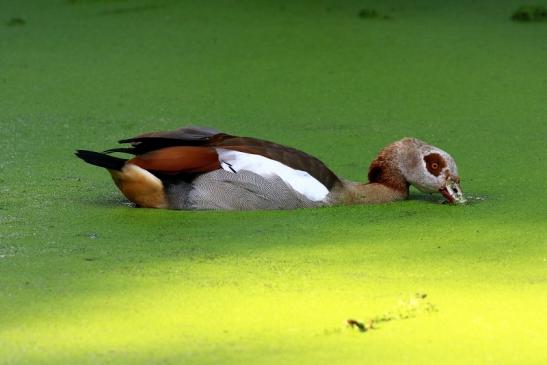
(453, 194)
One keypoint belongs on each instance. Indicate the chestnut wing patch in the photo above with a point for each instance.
(434, 163)
(178, 160)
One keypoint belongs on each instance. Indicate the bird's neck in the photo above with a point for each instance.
(370, 193)
(386, 181)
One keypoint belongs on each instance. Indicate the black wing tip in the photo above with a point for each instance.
(101, 159)
(130, 150)
(128, 140)
(82, 153)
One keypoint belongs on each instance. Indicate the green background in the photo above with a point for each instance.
(85, 279)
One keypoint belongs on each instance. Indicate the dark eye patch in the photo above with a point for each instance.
(434, 163)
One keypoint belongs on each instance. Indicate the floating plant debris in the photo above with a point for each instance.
(353, 323)
(405, 309)
(372, 14)
(530, 13)
(13, 22)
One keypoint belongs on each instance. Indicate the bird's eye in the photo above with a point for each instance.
(434, 163)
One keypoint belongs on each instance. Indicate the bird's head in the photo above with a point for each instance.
(430, 169)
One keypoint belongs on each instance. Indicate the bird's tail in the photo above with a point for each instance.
(101, 159)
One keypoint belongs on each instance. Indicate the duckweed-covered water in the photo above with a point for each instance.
(86, 279)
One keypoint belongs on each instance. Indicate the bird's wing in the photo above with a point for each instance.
(201, 149)
(288, 156)
(188, 134)
(178, 160)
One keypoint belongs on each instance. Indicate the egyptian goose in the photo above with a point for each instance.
(202, 168)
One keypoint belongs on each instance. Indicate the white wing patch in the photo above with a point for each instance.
(301, 181)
